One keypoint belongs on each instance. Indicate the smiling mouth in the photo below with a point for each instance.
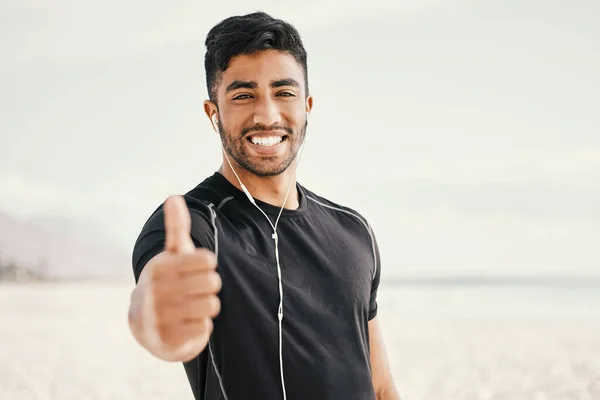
(266, 141)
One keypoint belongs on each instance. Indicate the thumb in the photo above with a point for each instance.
(178, 225)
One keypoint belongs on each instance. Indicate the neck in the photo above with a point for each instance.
(270, 189)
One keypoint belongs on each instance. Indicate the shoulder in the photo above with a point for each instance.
(336, 210)
(199, 208)
(199, 201)
(152, 237)
(345, 216)
(348, 217)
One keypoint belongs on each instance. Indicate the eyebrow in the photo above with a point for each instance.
(253, 85)
(284, 82)
(241, 85)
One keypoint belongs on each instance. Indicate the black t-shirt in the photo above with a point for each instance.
(330, 271)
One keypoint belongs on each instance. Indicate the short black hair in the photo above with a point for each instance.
(247, 34)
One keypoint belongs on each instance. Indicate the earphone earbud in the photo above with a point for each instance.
(215, 122)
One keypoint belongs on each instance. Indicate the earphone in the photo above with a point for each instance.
(275, 238)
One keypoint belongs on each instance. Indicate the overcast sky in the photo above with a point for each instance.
(467, 132)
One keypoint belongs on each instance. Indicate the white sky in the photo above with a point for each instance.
(467, 132)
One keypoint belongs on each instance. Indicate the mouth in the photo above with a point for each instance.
(266, 139)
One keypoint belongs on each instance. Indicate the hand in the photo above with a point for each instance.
(176, 299)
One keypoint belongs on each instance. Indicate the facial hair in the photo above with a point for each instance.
(235, 146)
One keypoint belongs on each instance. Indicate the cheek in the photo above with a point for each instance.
(229, 127)
(234, 121)
(297, 116)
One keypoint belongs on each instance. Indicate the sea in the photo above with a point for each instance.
(530, 298)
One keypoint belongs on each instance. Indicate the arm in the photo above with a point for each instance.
(383, 382)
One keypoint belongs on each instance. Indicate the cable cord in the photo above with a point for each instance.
(276, 239)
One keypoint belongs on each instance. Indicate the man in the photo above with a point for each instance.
(263, 289)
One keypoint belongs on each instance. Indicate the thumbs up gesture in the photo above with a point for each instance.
(175, 300)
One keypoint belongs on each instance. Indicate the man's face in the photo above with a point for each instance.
(262, 108)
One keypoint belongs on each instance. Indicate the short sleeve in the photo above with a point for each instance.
(151, 239)
(376, 278)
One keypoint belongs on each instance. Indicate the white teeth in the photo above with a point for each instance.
(266, 141)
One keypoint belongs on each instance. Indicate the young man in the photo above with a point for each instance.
(263, 289)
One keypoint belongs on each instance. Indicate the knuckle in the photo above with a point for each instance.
(214, 305)
(208, 325)
(214, 282)
(217, 306)
(207, 257)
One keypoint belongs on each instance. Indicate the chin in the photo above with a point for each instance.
(265, 168)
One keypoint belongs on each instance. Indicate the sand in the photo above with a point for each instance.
(71, 341)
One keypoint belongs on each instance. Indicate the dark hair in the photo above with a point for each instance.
(247, 34)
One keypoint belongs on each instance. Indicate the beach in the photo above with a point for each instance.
(71, 341)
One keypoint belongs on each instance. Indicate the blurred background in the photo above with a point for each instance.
(467, 132)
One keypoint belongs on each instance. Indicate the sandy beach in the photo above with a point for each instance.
(71, 341)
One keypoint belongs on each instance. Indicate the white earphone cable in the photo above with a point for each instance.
(276, 239)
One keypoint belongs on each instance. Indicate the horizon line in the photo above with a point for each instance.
(590, 281)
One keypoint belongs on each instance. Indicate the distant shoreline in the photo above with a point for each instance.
(497, 281)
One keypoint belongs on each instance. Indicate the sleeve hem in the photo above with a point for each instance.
(372, 314)
(153, 251)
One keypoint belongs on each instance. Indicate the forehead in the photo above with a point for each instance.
(262, 67)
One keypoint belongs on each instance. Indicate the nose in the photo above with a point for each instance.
(266, 113)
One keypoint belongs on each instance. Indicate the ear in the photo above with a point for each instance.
(309, 104)
(212, 112)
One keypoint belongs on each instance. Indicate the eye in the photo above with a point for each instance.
(286, 94)
(242, 97)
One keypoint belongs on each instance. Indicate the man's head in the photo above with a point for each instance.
(256, 76)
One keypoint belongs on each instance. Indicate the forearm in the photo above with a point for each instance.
(389, 393)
